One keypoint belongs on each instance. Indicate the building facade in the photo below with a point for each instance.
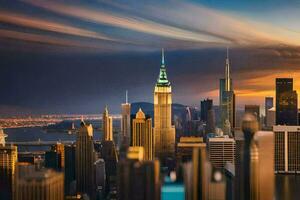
(8, 159)
(287, 149)
(85, 158)
(221, 150)
(164, 131)
(125, 123)
(269, 103)
(107, 126)
(34, 184)
(286, 102)
(205, 105)
(138, 180)
(262, 179)
(142, 134)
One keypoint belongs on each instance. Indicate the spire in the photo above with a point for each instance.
(126, 96)
(162, 57)
(227, 73)
(162, 78)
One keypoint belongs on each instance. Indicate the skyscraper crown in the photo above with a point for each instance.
(162, 78)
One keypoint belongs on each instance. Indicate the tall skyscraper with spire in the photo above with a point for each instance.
(107, 126)
(164, 131)
(125, 123)
(227, 100)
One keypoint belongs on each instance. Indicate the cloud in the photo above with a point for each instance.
(127, 22)
(46, 25)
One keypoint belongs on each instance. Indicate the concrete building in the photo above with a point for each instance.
(164, 131)
(287, 149)
(142, 134)
(221, 150)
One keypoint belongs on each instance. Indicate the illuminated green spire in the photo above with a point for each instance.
(162, 78)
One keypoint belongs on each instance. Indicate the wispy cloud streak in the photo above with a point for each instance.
(31, 22)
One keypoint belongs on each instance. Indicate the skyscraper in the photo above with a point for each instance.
(85, 158)
(164, 131)
(138, 179)
(8, 159)
(125, 123)
(107, 126)
(286, 102)
(60, 149)
(227, 100)
(53, 160)
(269, 103)
(142, 134)
(70, 169)
(205, 105)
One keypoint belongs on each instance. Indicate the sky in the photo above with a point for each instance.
(76, 56)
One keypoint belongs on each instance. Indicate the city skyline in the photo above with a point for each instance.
(108, 37)
(149, 100)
